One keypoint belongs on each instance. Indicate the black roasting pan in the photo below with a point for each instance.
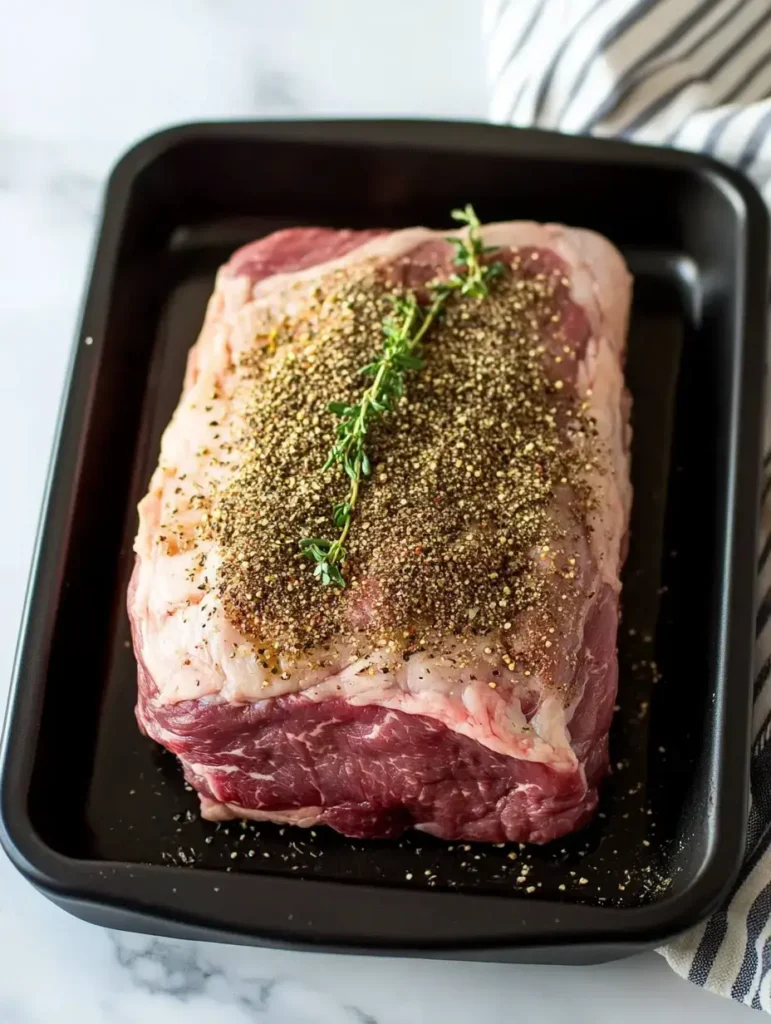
(98, 818)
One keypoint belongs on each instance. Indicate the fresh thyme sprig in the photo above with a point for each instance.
(475, 282)
(404, 331)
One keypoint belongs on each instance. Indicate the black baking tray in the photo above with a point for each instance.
(98, 818)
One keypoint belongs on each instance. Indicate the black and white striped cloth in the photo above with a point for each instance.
(695, 74)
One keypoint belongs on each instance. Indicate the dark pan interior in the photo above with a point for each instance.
(125, 799)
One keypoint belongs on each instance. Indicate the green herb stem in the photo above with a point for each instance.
(404, 331)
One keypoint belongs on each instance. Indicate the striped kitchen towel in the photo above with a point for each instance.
(695, 74)
(731, 952)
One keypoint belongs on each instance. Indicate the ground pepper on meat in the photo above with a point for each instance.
(453, 532)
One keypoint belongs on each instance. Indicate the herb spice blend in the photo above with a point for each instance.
(454, 531)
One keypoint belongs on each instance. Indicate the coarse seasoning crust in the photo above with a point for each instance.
(452, 533)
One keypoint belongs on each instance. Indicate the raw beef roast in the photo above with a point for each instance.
(463, 678)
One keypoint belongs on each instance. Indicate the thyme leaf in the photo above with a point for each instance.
(403, 330)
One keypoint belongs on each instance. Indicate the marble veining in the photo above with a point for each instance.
(79, 82)
(184, 973)
(279, 93)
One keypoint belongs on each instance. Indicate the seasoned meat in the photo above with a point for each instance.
(463, 680)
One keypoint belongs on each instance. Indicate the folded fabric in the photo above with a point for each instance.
(695, 74)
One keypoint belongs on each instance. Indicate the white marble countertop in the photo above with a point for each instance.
(78, 83)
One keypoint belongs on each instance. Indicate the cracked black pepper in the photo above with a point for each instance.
(453, 532)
